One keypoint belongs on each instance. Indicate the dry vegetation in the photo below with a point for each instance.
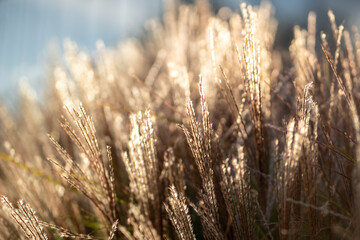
(199, 130)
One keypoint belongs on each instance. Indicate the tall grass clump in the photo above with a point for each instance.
(201, 130)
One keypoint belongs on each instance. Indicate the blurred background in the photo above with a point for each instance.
(28, 28)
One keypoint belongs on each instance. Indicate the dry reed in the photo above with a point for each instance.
(202, 130)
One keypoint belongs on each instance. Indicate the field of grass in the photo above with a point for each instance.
(199, 130)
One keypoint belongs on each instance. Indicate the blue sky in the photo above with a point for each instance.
(29, 27)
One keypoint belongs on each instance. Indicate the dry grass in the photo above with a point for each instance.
(201, 130)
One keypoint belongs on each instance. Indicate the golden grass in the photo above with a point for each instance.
(200, 131)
